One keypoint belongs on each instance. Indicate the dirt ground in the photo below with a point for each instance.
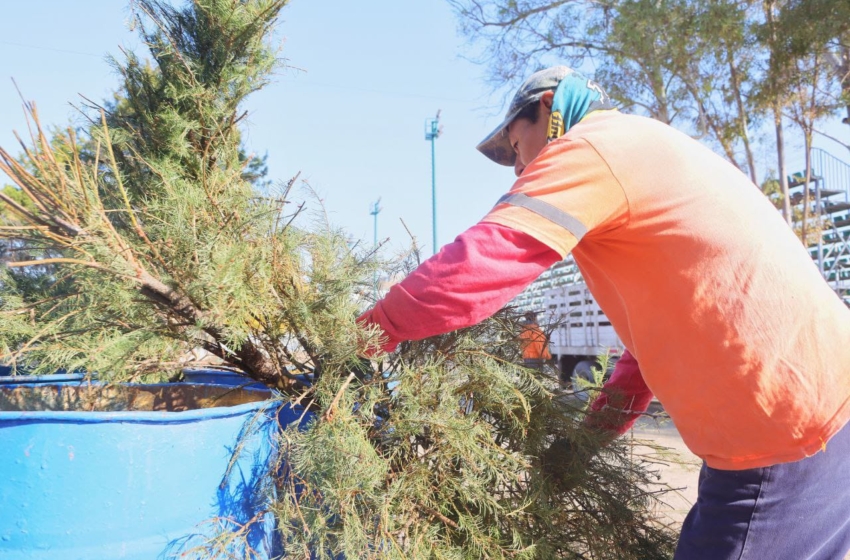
(677, 466)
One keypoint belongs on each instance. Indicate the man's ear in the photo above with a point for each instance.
(547, 99)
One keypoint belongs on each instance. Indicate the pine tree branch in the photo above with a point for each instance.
(62, 260)
(331, 410)
(434, 513)
(15, 356)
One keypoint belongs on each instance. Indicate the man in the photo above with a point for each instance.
(733, 328)
(534, 343)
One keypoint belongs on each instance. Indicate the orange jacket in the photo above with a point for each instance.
(736, 332)
(534, 343)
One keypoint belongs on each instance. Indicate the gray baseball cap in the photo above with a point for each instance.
(497, 146)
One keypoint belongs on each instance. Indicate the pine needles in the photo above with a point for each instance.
(145, 237)
(439, 457)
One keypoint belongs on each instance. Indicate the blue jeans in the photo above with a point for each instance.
(789, 511)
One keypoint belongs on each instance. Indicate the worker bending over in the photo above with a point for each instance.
(724, 315)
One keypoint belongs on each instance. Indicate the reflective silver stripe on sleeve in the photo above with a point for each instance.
(546, 210)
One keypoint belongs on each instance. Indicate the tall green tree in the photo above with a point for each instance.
(156, 240)
(721, 79)
(806, 109)
(810, 85)
(639, 65)
(772, 92)
(698, 78)
(821, 28)
(169, 148)
(717, 69)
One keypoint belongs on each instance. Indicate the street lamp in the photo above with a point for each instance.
(432, 132)
(376, 208)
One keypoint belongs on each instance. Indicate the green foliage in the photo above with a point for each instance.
(153, 238)
(154, 241)
(439, 458)
(714, 68)
(7, 216)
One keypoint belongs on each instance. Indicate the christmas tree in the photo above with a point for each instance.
(150, 235)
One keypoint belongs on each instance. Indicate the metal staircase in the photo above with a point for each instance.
(829, 191)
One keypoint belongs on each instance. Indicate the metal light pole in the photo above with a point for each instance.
(432, 132)
(376, 208)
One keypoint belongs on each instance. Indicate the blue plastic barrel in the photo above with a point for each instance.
(136, 484)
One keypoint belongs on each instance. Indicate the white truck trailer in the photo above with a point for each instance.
(578, 330)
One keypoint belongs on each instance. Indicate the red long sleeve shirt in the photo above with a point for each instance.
(472, 278)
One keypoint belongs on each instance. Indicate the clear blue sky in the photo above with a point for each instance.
(351, 121)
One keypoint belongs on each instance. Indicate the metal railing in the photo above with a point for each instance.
(831, 177)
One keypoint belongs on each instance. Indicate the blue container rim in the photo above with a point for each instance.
(42, 379)
(136, 416)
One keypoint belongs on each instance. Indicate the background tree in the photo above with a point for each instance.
(721, 80)
(822, 28)
(9, 218)
(798, 85)
(772, 94)
(156, 240)
(640, 66)
(172, 150)
(715, 69)
(806, 108)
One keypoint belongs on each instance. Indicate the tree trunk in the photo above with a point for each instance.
(840, 60)
(804, 228)
(780, 155)
(249, 356)
(742, 115)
